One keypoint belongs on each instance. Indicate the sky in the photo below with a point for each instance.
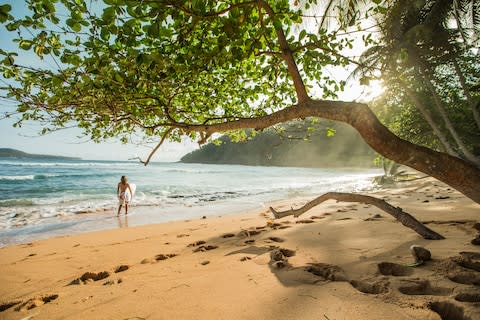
(68, 142)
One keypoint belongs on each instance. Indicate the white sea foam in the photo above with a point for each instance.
(25, 177)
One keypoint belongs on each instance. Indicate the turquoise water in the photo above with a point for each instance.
(41, 198)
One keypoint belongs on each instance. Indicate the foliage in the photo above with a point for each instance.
(421, 56)
(119, 66)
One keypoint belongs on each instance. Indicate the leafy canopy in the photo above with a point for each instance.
(115, 67)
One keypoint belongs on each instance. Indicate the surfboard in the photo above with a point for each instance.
(133, 186)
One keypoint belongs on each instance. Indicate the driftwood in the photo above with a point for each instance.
(405, 218)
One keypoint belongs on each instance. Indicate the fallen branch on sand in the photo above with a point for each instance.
(405, 218)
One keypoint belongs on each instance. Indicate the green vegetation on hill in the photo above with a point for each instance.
(13, 153)
(290, 147)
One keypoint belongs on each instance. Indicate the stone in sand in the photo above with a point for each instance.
(476, 241)
(420, 253)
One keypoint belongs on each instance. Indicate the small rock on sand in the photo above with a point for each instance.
(420, 253)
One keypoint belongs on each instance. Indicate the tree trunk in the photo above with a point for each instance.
(405, 218)
(443, 113)
(428, 117)
(471, 103)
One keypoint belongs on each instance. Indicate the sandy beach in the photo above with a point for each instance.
(338, 261)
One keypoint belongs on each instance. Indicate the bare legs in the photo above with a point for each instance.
(120, 207)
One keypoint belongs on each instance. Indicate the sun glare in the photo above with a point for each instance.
(373, 90)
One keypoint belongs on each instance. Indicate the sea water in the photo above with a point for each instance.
(43, 198)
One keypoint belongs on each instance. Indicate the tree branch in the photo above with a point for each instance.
(288, 56)
(405, 218)
(165, 135)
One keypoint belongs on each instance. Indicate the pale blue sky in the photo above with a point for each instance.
(67, 142)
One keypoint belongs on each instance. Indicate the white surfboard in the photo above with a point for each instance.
(133, 186)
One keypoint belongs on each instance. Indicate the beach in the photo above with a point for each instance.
(338, 261)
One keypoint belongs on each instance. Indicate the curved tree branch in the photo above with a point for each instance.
(405, 218)
(459, 174)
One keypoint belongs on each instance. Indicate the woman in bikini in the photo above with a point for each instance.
(123, 196)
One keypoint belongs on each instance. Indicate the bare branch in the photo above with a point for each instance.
(165, 135)
(405, 218)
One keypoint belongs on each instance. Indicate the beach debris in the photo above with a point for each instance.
(121, 268)
(89, 277)
(393, 269)
(327, 271)
(420, 254)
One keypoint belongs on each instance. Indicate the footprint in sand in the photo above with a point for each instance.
(374, 287)
(305, 221)
(112, 282)
(422, 287)
(36, 302)
(205, 248)
(276, 239)
(162, 256)
(393, 269)
(468, 297)
(196, 244)
(8, 305)
(89, 277)
(121, 268)
(448, 310)
(465, 277)
(228, 235)
(327, 271)
(248, 233)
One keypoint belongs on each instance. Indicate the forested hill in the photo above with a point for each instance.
(328, 145)
(13, 153)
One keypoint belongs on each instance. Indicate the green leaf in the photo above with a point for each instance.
(25, 44)
(330, 132)
(4, 13)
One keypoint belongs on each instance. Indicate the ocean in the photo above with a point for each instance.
(44, 198)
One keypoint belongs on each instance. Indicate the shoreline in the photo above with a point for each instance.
(164, 271)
